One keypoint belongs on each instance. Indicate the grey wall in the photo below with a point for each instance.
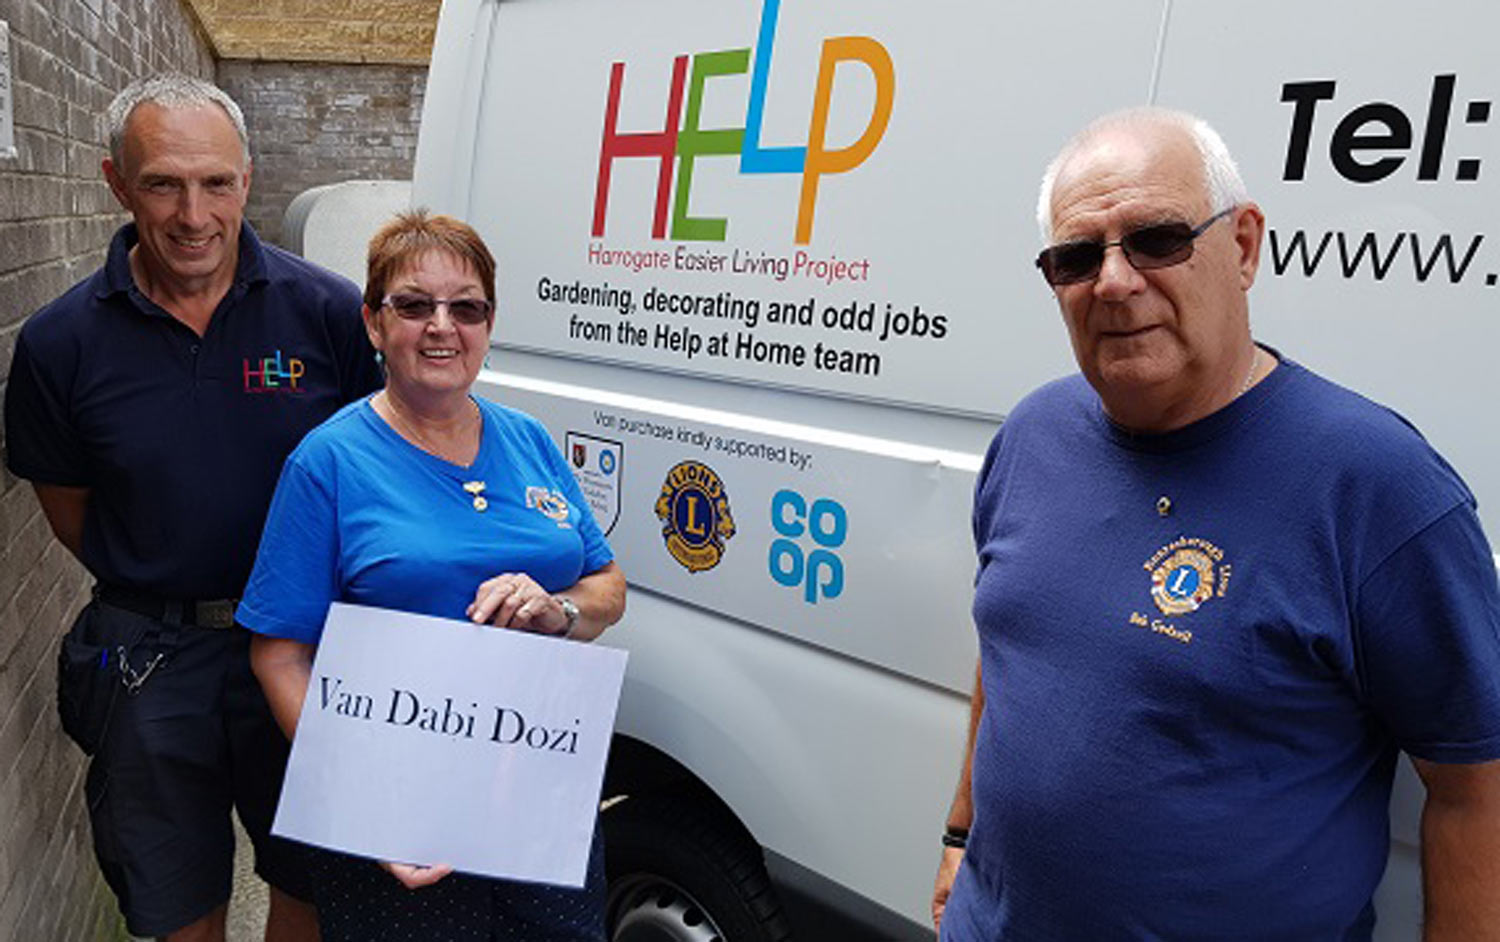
(68, 58)
(316, 123)
(310, 123)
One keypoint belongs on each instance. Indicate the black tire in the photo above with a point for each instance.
(678, 872)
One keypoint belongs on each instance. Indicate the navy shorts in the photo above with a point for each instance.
(196, 739)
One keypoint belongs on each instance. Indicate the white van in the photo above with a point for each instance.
(765, 271)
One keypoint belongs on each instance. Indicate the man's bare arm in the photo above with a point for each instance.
(1461, 851)
(64, 508)
(961, 812)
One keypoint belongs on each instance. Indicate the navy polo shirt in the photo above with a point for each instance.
(180, 438)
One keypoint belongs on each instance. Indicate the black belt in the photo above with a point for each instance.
(193, 613)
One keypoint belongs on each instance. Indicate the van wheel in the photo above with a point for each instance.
(677, 873)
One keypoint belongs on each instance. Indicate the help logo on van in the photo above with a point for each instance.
(681, 140)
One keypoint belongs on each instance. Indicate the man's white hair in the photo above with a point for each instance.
(170, 90)
(1221, 175)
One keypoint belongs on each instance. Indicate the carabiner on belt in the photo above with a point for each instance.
(132, 678)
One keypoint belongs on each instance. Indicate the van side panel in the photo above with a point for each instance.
(644, 169)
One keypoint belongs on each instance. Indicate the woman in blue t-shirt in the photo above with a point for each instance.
(422, 498)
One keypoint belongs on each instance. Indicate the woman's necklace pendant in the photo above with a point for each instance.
(476, 489)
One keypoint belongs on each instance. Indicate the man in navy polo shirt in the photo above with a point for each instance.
(1217, 597)
(151, 407)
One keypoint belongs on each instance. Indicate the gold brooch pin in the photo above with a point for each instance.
(476, 488)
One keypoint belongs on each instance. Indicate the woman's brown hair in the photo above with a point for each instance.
(403, 241)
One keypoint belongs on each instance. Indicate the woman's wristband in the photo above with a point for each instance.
(955, 837)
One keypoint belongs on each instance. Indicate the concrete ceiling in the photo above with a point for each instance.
(379, 31)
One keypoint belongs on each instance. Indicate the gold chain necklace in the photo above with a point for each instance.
(474, 488)
(1250, 376)
(1164, 503)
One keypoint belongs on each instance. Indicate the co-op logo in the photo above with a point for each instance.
(682, 141)
(821, 571)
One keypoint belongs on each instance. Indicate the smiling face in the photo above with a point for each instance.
(1167, 346)
(435, 358)
(184, 177)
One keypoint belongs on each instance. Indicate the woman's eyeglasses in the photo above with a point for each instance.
(419, 307)
(1158, 246)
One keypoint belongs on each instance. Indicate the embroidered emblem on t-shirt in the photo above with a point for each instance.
(1184, 581)
(274, 373)
(693, 508)
(550, 503)
(1185, 574)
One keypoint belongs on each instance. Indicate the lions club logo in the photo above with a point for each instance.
(549, 503)
(1183, 582)
(693, 508)
(1185, 574)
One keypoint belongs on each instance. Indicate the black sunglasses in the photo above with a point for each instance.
(1168, 243)
(419, 307)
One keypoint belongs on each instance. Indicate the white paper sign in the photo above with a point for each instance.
(426, 740)
(7, 107)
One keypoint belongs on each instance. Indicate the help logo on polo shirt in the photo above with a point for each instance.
(274, 373)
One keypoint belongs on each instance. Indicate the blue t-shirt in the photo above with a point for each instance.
(1192, 717)
(179, 438)
(362, 515)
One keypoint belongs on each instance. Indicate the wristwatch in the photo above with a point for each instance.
(570, 609)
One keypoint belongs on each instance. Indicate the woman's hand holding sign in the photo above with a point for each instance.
(514, 600)
(415, 876)
(580, 612)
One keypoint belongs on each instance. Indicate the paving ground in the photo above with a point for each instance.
(247, 909)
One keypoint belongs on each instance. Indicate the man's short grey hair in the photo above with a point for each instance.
(1221, 175)
(170, 90)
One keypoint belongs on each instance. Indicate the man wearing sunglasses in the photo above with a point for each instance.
(151, 407)
(1217, 596)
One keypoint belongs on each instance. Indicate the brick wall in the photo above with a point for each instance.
(310, 124)
(317, 123)
(321, 30)
(68, 58)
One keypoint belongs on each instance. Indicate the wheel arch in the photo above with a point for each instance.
(638, 769)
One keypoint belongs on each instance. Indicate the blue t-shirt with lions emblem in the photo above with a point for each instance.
(362, 515)
(1201, 654)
